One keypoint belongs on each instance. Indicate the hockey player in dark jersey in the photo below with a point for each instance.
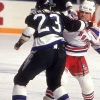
(47, 52)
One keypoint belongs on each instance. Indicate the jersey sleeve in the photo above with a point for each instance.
(30, 21)
(94, 33)
(30, 29)
(96, 48)
(73, 25)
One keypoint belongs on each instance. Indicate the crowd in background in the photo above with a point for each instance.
(73, 1)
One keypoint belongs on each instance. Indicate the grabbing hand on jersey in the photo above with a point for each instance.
(72, 14)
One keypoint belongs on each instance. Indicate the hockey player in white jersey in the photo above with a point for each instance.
(77, 44)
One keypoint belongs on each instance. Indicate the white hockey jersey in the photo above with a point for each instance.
(77, 43)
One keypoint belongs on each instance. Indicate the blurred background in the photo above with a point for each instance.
(73, 1)
(13, 12)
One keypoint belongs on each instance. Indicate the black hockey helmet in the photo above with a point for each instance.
(58, 5)
(42, 4)
(54, 5)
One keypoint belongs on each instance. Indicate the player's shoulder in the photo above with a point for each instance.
(95, 29)
(28, 18)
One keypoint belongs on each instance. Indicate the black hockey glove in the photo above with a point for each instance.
(18, 44)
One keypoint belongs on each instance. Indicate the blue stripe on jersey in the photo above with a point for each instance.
(96, 32)
(25, 35)
(47, 33)
(47, 46)
(76, 51)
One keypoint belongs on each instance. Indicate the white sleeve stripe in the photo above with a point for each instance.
(29, 31)
(82, 26)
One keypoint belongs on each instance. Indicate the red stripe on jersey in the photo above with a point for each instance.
(77, 48)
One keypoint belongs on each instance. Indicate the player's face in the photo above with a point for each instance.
(85, 16)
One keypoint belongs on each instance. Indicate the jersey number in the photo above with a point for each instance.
(42, 28)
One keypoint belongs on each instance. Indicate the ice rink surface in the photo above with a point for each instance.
(10, 61)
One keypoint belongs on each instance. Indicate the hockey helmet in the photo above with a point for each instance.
(54, 4)
(87, 6)
(42, 4)
(60, 5)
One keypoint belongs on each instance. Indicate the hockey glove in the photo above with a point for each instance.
(72, 14)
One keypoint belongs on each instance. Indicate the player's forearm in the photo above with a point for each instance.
(19, 43)
(75, 25)
(27, 33)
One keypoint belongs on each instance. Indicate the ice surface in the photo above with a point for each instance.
(10, 61)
